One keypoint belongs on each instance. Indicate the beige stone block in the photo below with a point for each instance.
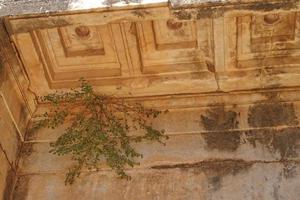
(234, 180)
(9, 137)
(176, 121)
(266, 111)
(16, 105)
(239, 80)
(257, 145)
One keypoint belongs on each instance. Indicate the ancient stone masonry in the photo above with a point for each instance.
(227, 71)
(13, 117)
(17, 7)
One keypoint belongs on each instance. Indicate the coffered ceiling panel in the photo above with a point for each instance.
(268, 40)
(132, 58)
(170, 46)
(150, 52)
(72, 52)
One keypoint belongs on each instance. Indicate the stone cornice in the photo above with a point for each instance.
(37, 7)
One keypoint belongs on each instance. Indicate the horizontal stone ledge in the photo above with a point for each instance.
(21, 7)
(205, 165)
(253, 145)
(190, 101)
(214, 117)
(100, 16)
(9, 136)
(260, 4)
(233, 181)
(171, 134)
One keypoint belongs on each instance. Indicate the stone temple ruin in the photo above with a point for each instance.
(228, 71)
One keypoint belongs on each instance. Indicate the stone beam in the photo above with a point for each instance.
(20, 7)
(12, 7)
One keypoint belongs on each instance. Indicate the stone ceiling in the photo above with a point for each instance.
(150, 50)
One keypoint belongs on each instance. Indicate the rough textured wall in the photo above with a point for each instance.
(10, 104)
(8, 152)
(13, 119)
(235, 146)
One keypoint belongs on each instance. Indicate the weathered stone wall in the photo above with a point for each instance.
(233, 146)
(8, 151)
(13, 119)
(13, 7)
(223, 145)
(10, 142)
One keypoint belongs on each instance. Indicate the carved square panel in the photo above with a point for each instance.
(273, 32)
(273, 28)
(133, 58)
(172, 46)
(268, 40)
(177, 35)
(82, 40)
(69, 53)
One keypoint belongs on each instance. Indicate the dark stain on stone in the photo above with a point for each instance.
(26, 149)
(222, 167)
(174, 25)
(210, 66)
(221, 121)
(132, 29)
(209, 12)
(182, 15)
(140, 13)
(21, 188)
(9, 185)
(219, 9)
(31, 132)
(268, 6)
(215, 170)
(23, 114)
(289, 170)
(272, 114)
(30, 135)
(223, 141)
(215, 182)
(284, 141)
(2, 63)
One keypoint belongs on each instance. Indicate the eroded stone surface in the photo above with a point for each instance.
(221, 122)
(12, 7)
(228, 139)
(4, 168)
(13, 119)
(262, 145)
(272, 114)
(227, 181)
